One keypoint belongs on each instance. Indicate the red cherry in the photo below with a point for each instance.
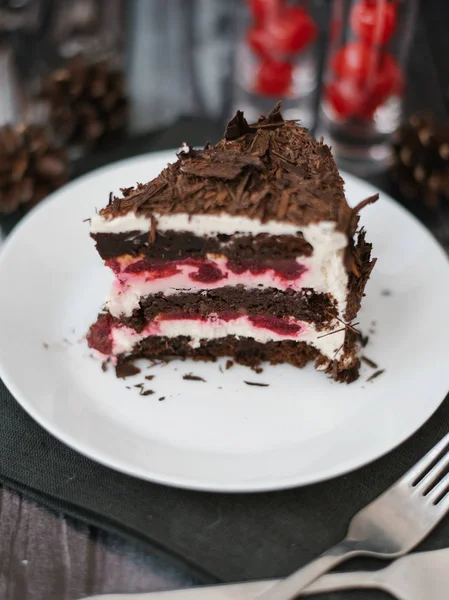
(344, 98)
(263, 10)
(374, 21)
(259, 41)
(355, 60)
(273, 78)
(389, 82)
(292, 31)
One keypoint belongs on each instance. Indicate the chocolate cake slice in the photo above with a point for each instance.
(244, 249)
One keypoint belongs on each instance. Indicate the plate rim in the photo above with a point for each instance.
(95, 454)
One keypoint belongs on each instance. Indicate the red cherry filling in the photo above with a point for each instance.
(207, 273)
(280, 326)
(286, 269)
(99, 335)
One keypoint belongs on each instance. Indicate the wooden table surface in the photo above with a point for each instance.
(47, 556)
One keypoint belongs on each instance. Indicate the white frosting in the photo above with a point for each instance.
(201, 225)
(124, 338)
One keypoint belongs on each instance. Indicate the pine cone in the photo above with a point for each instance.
(88, 102)
(31, 166)
(421, 159)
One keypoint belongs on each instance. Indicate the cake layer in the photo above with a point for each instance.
(175, 245)
(246, 352)
(112, 338)
(307, 306)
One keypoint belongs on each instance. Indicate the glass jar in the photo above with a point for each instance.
(276, 59)
(365, 80)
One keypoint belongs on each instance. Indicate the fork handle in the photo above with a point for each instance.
(291, 586)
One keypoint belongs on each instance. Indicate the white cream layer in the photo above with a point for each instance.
(329, 245)
(125, 338)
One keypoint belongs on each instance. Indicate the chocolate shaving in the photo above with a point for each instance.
(149, 377)
(152, 234)
(146, 392)
(229, 364)
(376, 375)
(191, 377)
(272, 170)
(237, 127)
(257, 384)
(126, 369)
(369, 362)
(274, 117)
(162, 398)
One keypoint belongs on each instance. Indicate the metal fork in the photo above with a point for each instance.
(413, 577)
(389, 527)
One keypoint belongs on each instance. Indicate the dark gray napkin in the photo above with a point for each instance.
(222, 537)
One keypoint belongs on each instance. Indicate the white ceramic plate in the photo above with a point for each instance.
(221, 434)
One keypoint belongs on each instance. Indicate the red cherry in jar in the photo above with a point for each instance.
(373, 21)
(273, 78)
(355, 60)
(389, 82)
(290, 32)
(263, 10)
(345, 98)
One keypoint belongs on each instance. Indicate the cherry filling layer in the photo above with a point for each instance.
(110, 337)
(207, 271)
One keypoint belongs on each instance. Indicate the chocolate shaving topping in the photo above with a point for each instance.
(126, 369)
(376, 375)
(257, 384)
(272, 169)
(237, 127)
(191, 377)
(369, 362)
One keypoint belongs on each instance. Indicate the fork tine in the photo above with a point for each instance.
(428, 480)
(443, 506)
(421, 466)
(441, 488)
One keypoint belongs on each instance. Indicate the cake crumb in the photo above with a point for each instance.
(162, 398)
(257, 370)
(124, 370)
(192, 377)
(258, 384)
(364, 339)
(149, 377)
(369, 362)
(105, 364)
(229, 364)
(146, 392)
(376, 374)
